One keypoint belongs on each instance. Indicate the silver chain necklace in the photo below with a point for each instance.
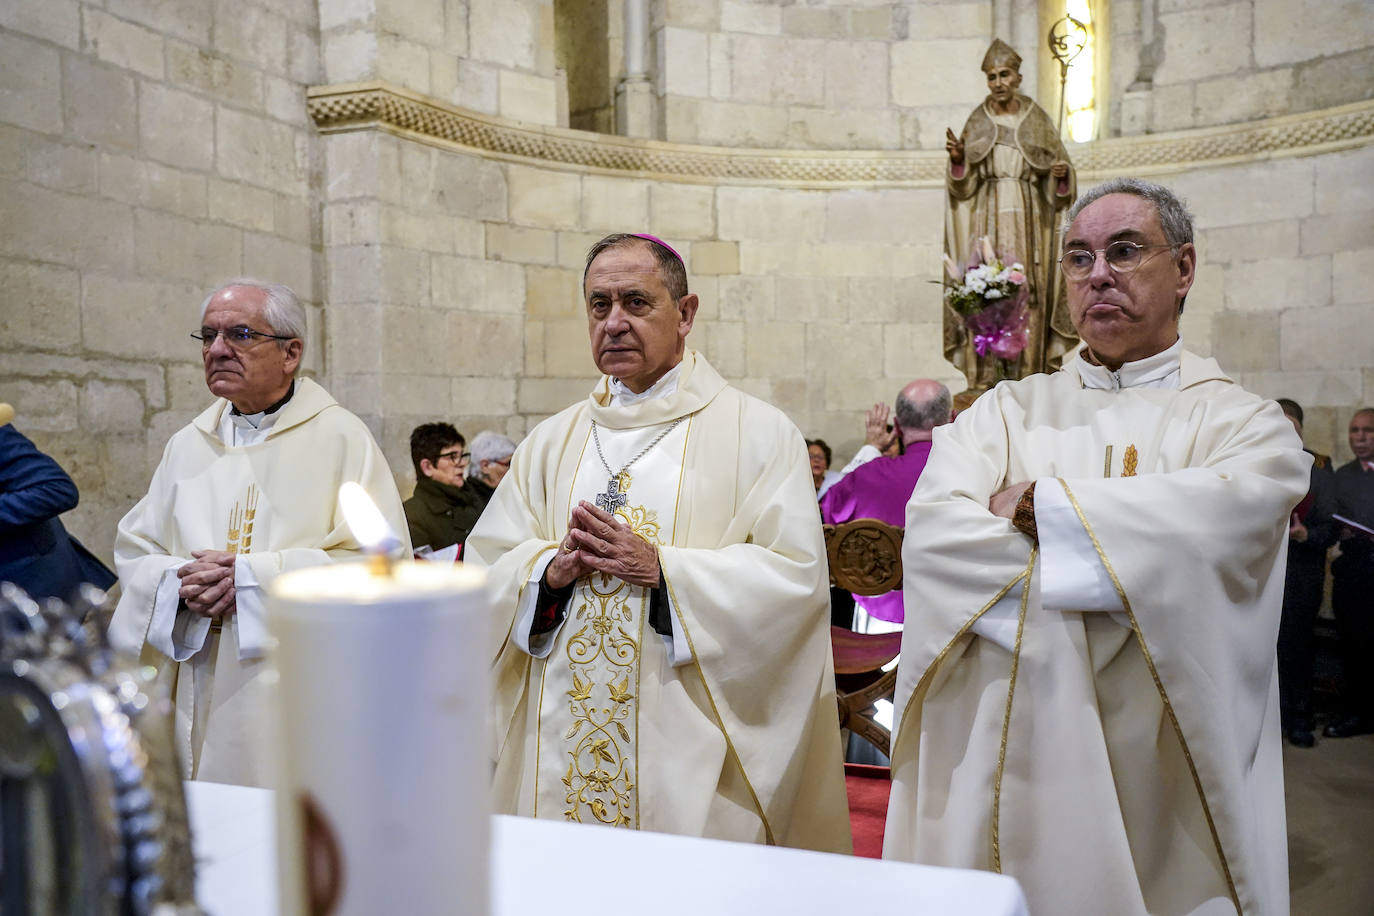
(614, 497)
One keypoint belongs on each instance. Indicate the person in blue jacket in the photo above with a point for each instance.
(36, 552)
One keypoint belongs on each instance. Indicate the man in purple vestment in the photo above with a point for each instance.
(881, 488)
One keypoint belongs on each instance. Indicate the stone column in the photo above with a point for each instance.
(634, 96)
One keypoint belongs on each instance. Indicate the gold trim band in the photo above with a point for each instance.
(1006, 717)
(940, 656)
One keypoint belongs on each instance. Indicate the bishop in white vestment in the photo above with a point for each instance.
(1088, 697)
(244, 493)
(678, 677)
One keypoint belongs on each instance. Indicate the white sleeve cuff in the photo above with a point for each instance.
(250, 613)
(998, 623)
(1072, 577)
(177, 634)
(679, 650)
(535, 646)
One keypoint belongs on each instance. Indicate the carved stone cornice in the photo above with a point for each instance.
(1306, 134)
(381, 106)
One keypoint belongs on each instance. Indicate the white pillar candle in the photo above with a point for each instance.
(383, 801)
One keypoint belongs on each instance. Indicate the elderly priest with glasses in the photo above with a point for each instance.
(245, 492)
(659, 591)
(1088, 698)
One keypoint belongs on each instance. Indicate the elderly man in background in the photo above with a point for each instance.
(1088, 700)
(444, 506)
(880, 488)
(658, 583)
(244, 493)
(491, 454)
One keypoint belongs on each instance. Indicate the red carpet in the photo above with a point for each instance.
(868, 788)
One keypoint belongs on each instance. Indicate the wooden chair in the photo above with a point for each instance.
(865, 557)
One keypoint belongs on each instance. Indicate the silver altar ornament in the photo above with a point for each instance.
(92, 811)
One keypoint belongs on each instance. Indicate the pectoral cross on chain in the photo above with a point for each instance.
(612, 499)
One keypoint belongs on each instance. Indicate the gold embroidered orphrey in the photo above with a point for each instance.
(240, 536)
(602, 744)
(1128, 463)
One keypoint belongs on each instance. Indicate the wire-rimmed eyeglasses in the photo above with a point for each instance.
(1122, 257)
(240, 338)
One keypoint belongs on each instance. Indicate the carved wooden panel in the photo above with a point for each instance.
(865, 556)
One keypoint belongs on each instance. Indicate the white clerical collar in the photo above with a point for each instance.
(241, 429)
(621, 396)
(1158, 371)
(262, 420)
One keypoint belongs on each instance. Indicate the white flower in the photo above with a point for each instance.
(993, 294)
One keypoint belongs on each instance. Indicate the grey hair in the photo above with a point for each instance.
(915, 415)
(283, 312)
(670, 266)
(1174, 217)
(488, 446)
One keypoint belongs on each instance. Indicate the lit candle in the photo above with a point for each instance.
(383, 796)
(369, 526)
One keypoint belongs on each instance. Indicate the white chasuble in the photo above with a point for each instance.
(272, 503)
(737, 736)
(1115, 750)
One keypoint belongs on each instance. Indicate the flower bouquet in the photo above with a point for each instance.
(991, 297)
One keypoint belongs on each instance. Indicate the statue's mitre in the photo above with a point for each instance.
(1000, 54)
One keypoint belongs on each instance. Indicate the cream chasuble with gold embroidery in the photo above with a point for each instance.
(1121, 755)
(274, 504)
(738, 737)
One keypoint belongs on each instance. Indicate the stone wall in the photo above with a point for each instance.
(1229, 61)
(493, 56)
(150, 149)
(835, 74)
(820, 299)
(847, 74)
(454, 286)
(1287, 250)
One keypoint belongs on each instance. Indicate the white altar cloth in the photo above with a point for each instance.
(535, 863)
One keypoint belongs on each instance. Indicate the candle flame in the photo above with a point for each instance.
(366, 521)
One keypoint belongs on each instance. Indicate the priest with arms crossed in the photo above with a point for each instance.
(1088, 698)
(245, 492)
(662, 655)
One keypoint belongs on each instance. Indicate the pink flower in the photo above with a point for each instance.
(1017, 277)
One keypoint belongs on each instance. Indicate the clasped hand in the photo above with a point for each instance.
(1003, 503)
(207, 583)
(598, 542)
